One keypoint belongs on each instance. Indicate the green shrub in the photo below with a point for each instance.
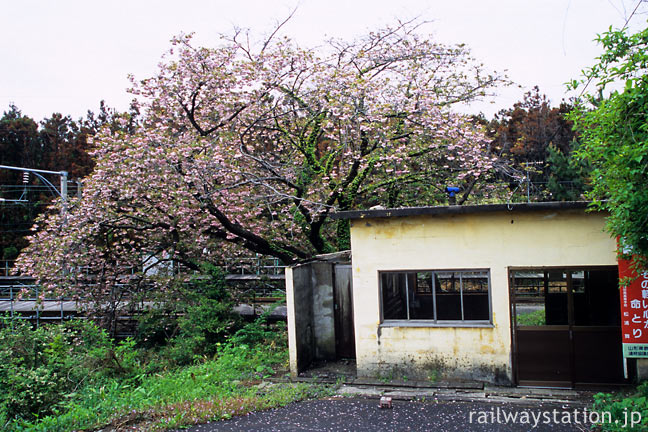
(193, 327)
(535, 318)
(41, 367)
(73, 376)
(620, 406)
(260, 331)
(157, 326)
(219, 388)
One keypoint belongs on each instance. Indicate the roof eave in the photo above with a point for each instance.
(456, 209)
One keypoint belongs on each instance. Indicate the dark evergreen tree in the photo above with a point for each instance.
(59, 144)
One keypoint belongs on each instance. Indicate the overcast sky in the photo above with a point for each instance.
(67, 55)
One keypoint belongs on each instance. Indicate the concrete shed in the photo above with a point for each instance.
(320, 310)
(523, 294)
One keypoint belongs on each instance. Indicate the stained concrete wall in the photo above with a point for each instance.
(323, 313)
(299, 305)
(642, 369)
(494, 241)
(311, 320)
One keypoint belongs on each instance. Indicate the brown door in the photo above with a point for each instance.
(343, 292)
(566, 327)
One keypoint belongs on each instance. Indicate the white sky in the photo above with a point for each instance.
(67, 55)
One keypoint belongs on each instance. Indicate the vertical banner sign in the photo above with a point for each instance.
(634, 311)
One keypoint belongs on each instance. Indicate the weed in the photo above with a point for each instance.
(386, 377)
(535, 318)
(188, 365)
(114, 388)
(433, 376)
(621, 404)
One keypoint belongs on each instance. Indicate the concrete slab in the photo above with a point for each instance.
(349, 390)
(571, 398)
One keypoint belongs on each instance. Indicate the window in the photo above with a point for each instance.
(566, 296)
(437, 296)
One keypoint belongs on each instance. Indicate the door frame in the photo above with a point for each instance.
(570, 326)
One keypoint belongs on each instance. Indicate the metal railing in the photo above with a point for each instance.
(257, 266)
(19, 296)
(22, 301)
(5, 267)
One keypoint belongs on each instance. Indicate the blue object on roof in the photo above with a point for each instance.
(452, 190)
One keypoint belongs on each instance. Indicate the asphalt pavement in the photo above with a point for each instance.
(363, 414)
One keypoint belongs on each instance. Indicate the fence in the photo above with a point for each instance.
(5, 267)
(21, 301)
(244, 266)
(258, 280)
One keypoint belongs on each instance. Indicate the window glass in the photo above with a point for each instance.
(424, 283)
(394, 296)
(578, 282)
(421, 301)
(436, 295)
(556, 304)
(529, 287)
(475, 295)
(597, 303)
(542, 297)
(448, 296)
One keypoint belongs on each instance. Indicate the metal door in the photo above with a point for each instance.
(343, 293)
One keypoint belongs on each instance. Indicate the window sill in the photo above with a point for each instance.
(432, 324)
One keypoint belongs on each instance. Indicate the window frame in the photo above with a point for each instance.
(488, 323)
(570, 290)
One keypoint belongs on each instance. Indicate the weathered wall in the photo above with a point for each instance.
(299, 305)
(311, 320)
(494, 241)
(642, 369)
(323, 318)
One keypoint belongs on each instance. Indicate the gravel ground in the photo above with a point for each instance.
(362, 414)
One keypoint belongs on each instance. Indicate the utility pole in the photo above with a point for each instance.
(62, 192)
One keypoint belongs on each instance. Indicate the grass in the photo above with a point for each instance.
(535, 318)
(193, 363)
(119, 386)
(621, 407)
(217, 389)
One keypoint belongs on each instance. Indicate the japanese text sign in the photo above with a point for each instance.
(634, 310)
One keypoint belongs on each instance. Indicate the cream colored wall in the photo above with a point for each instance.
(494, 241)
(292, 329)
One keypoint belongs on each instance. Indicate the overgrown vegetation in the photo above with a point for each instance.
(621, 406)
(73, 377)
(193, 326)
(535, 318)
(614, 135)
(190, 363)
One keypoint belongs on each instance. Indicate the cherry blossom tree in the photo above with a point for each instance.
(252, 147)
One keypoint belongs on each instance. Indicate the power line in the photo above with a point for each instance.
(20, 186)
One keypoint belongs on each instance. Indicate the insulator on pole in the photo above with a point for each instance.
(25, 177)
